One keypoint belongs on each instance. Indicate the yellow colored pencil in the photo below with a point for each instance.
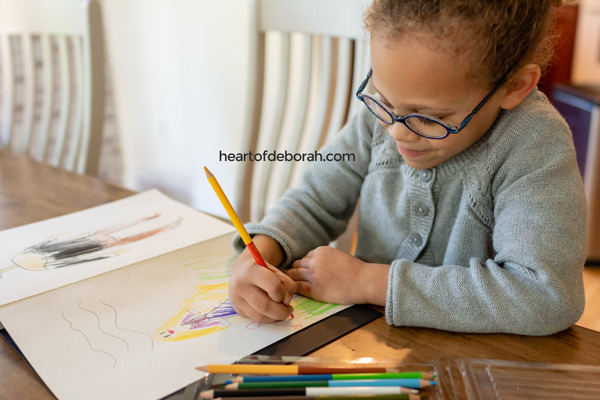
(236, 220)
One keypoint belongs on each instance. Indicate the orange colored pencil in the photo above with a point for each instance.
(236, 220)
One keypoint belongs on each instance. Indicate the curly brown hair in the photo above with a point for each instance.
(495, 37)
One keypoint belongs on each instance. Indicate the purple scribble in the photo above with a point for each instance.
(215, 317)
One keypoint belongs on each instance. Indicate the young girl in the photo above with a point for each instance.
(472, 213)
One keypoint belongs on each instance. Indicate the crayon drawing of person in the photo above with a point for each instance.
(58, 252)
(206, 310)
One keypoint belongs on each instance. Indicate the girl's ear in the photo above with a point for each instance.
(520, 85)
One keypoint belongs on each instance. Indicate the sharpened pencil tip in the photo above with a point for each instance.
(208, 174)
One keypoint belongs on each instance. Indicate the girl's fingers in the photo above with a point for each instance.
(299, 274)
(304, 288)
(262, 294)
(302, 263)
(272, 283)
(271, 294)
(259, 307)
(289, 289)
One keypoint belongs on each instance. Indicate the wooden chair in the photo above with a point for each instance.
(52, 81)
(309, 58)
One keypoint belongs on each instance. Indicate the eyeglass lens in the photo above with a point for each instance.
(419, 125)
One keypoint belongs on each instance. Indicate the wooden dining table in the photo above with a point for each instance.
(31, 191)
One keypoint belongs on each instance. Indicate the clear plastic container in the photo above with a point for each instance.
(513, 380)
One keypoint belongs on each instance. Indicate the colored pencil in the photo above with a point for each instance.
(412, 383)
(280, 369)
(332, 377)
(350, 397)
(314, 391)
(236, 220)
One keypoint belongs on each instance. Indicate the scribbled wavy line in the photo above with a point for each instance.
(100, 328)
(88, 341)
(127, 330)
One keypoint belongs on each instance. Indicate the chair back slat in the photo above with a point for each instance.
(343, 87)
(361, 67)
(64, 87)
(94, 98)
(77, 105)
(48, 101)
(29, 95)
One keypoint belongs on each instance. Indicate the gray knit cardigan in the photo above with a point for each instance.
(491, 240)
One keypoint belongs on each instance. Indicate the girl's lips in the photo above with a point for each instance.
(411, 153)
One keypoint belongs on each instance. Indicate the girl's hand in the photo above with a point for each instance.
(330, 275)
(261, 294)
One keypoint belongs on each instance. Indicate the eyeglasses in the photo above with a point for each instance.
(422, 125)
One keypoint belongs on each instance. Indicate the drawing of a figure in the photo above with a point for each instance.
(206, 310)
(60, 252)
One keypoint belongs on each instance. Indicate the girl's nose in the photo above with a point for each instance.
(400, 132)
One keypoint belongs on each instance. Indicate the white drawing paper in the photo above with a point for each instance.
(139, 331)
(49, 254)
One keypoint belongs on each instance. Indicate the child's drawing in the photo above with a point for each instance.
(207, 310)
(60, 252)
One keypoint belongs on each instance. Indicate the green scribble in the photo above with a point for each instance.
(310, 307)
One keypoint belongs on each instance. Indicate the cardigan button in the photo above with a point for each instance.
(421, 209)
(425, 175)
(415, 239)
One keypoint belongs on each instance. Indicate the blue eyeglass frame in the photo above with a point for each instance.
(395, 118)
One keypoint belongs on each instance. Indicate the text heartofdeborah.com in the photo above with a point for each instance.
(275, 155)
